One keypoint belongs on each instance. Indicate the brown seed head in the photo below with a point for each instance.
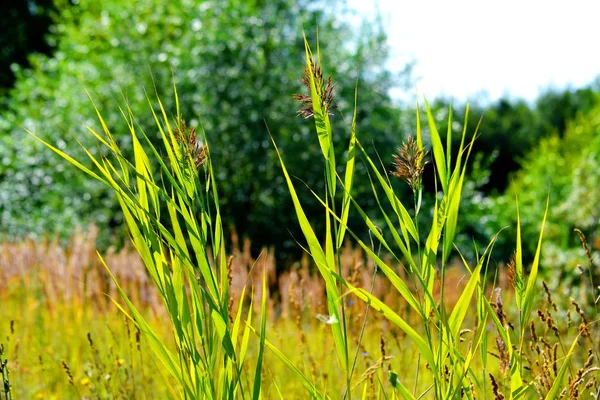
(495, 388)
(503, 354)
(585, 246)
(192, 148)
(409, 163)
(324, 92)
(499, 306)
(68, 371)
(549, 296)
(511, 272)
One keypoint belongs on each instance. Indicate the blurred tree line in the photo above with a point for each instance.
(523, 149)
(24, 27)
(236, 65)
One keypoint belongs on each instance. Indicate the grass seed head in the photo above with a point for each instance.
(324, 91)
(511, 272)
(68, 371)
(549, 296)
(409, 164)
(534, 337)
(590, 359)
(229, 282)
(583, 240)
(495, 388)
(499, 306)
(503, 354)
(192, 147)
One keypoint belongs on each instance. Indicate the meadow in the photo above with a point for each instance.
(67, 339)
(186, 312)
(54, 297)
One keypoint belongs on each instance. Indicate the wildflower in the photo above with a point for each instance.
(324, 91)
(409, 164)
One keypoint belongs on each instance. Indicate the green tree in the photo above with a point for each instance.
(565, 168)
(515, 137)
(24, 24)
(236, 65)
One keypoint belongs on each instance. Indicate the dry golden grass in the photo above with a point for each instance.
(74, 272)
(72, 275)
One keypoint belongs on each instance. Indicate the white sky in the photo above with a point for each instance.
(466, 47)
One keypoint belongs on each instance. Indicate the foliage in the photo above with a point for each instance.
(48, 310)
(164, 177)
(565, 168)
(510, 129)
(71, 349)
(24, 25)
(234, 63)
(511, 132)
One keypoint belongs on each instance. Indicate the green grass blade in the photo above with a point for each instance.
(389, 314)
(247, 329)
(460, 309)
(531, 281)
(419, 132)
(399, 386)
(223, 333)
(161, 352)
(396, 281)
(519, 279)
(449, 138)
(261, 345)
(322, 124)
(406, 222)
(556, 387)
(237, 322)
(320, 260)
(68, 158)
(429, 263)
(298, 375)
(349, 176)
(395, 235)
(438, 150)
(454, 195)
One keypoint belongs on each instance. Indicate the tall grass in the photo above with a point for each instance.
(183, 251)
(5, 375)
(449, 369)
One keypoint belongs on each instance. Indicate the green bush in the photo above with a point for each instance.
(567, 170)
(515, 134)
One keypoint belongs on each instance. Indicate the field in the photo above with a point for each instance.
(67, 339)
(348, 320)
(64, 333)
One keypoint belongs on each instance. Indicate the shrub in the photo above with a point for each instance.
(565, 169)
